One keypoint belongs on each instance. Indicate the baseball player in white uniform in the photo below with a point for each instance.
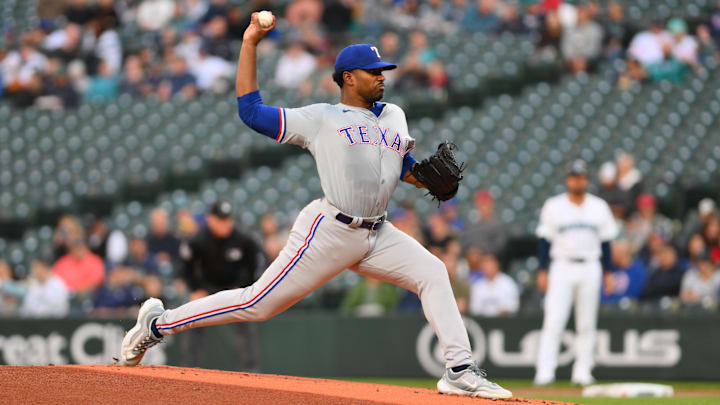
(575, 231)
(362, 149)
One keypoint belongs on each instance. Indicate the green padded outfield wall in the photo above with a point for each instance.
(633, 347)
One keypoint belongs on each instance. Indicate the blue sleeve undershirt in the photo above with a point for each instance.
(267, 120)
(606, 257)
(408, 161)
(543, 253)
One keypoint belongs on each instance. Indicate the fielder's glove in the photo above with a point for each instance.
(440, 173)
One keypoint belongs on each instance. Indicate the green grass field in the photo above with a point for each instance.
(520, 385)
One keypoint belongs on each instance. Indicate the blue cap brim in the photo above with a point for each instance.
(378, 65)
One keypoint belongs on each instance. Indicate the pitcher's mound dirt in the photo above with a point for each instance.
(109, 384)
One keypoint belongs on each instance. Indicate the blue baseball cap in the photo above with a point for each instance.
(360, 56)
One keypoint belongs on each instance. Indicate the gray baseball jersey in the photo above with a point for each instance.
(358, 155)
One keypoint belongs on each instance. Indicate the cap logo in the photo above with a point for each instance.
(376, 52)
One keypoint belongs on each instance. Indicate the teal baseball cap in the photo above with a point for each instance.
(361, 56)
(677, 26)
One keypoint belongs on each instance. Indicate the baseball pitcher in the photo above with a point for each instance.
(362, 150)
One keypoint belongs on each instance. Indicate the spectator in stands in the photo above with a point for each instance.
(618, 32)
(460, 287)
(64, 43)
(665, 276)
(133, 81)
(412, 72)
(139, 258)
(512, 20)
(81, 270)
(46, 296)
(107, 47)
(473, 256)
(119, 293)
(22, 74)
(57, 90)
(481, 16)
(189, 47)
(187, 226)
(685, 48)
(68, 228)
(216, 8)
(79, 11)
(10, 290)
(110, 245)
(369, 298)
(618, 200)
(438, 234)
(628, 277)
(706, 210)
(162, 244)
(648, 47)
(551, 34)
(273, 238)
(708, 48)
(629, 178)
(647, 221)
(449, 211)
(647, 53)
(213, 73)
(178, 82)
(390, 50)
(711, 235)
(294, 66)
(104, 86)
(154, 15)
(436, 16)
(303, 17)
(701, 282)
(696, 247)
(715, 24)
(216, 38)
(494, 294)
(487, 232)
(581, 44)
(337, 17)
(437, 78)
(238, 18)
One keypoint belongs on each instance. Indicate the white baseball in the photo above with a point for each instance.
(265, 18)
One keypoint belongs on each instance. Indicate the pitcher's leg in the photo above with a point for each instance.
(586, 311)
(558, 301)
(401, 260)
(316, 251)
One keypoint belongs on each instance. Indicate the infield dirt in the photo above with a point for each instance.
(110, 384)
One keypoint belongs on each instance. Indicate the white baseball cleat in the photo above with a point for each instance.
(471, 382)
(543, 381)
(583, 381)
(140, 338)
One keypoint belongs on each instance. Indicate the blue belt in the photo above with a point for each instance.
(371, 225)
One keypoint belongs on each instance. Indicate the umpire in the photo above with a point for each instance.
(219, 258)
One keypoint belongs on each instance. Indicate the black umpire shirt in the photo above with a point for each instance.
(215, 264)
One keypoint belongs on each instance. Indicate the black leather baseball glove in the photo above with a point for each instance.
(440, 173)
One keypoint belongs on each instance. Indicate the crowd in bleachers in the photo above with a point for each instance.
(93, 50)
(166, 49)
(93, 269)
